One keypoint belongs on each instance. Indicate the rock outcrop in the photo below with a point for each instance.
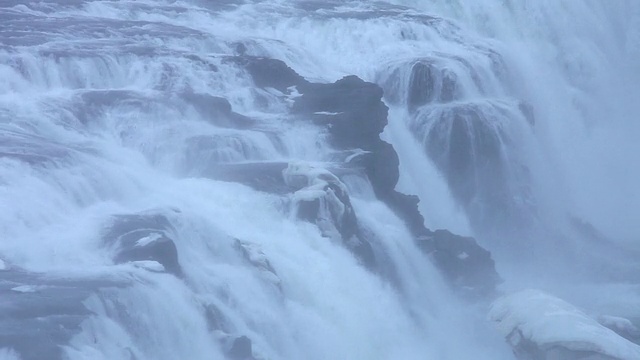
(145, 240)
(466, 264)
(270, 73)
(321, 198)
(253, 254)
(354, 115)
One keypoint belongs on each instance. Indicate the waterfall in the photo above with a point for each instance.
(294, 179)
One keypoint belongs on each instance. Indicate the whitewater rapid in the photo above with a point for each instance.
(106, 114)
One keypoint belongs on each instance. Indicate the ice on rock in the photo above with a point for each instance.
(255, 256)
(148, 239)
(540, 326)
(321, 197)
(150, 265)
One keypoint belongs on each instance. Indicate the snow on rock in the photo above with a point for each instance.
(144, 241)
(150, 265)
(255, 256)
(322, 199)
(540, 326)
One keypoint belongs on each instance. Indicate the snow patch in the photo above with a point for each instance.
(355, 154)
(148, 239)
(548, 321)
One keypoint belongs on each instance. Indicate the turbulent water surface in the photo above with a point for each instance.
(170, 191)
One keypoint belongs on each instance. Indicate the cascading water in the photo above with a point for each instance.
(167, 191)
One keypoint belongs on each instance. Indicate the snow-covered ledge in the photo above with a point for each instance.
(540, 326)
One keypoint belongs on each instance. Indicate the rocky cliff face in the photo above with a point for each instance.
(354, 115)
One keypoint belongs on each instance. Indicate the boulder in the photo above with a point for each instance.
(143, 239)
(270, 73)
(539, 326)
(241, 349)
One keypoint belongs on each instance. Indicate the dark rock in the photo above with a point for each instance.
(270, 73)
(421, 85)
(235, 347)
(354, 111)
(406, 206)
(429, 83)
(143, 237)
(527, 111)
(241, 349)
(217, 110)
(215, 318)
(351, 108)
(382, 168)
(254, 255)
(463, 261)
(355, 115)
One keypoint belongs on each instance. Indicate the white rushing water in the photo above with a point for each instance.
(528, 127)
